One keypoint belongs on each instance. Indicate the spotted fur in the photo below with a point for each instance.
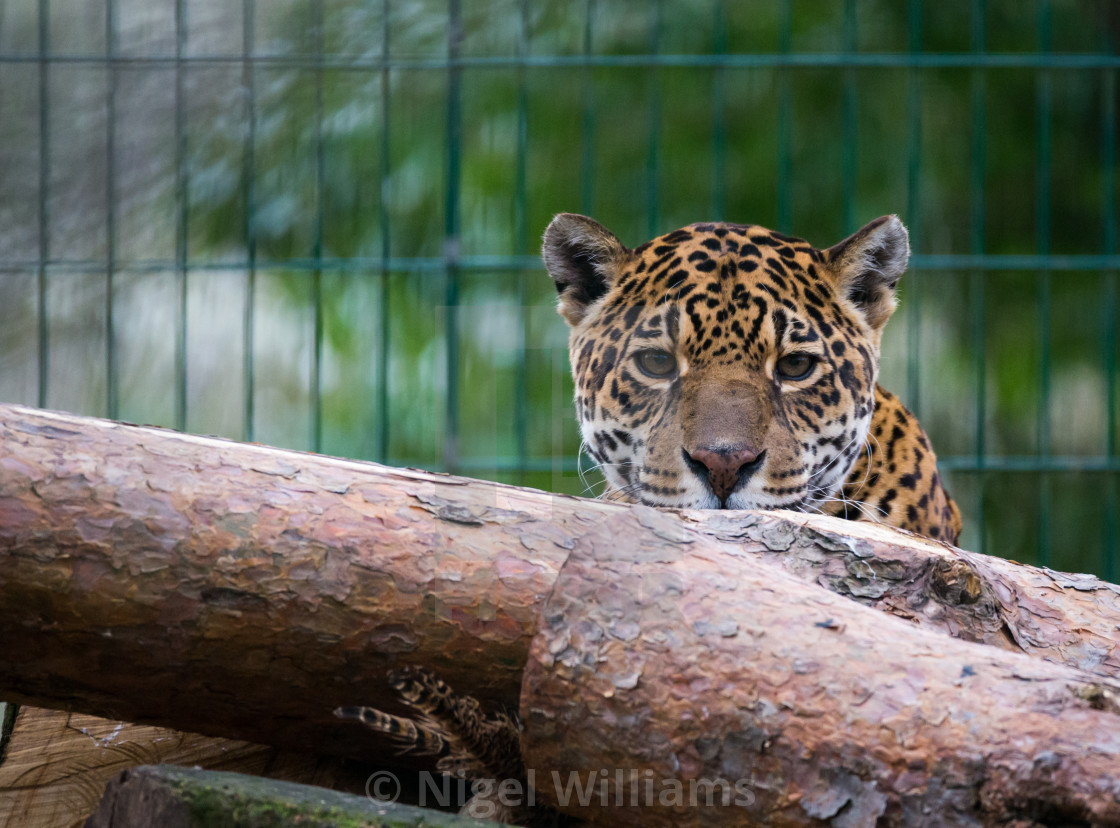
(472, 745)
(731, 309)
(469, 744)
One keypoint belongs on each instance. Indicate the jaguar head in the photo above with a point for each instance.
(724, 365)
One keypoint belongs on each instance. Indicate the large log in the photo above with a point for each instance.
(674, 682)
(244, 591)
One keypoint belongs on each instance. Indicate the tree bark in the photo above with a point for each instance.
(244, 591)
(1066, 618)
(707, 688)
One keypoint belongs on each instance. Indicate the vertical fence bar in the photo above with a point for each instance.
(111, 392)
(587, 205)
(1042, 233)
(978, 242)
(719, 113)
(317, 241)
(181, 218)
(653, 156)
(587, 133)
(385, 227)
(913, 205)
(248, 19)
(784, 218)
(1108, 165)
(850, 118)
(451, 229)
(521, 230)
(44, 201)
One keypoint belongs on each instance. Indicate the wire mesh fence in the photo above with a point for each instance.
(315, 223)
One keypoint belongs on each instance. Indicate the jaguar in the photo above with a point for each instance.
(720, 366)
(728, 366)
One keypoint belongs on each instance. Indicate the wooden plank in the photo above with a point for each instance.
(57, 764)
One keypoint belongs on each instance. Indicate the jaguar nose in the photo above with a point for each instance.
(725, 468)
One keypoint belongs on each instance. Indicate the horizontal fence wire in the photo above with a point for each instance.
(491, 263)
(820, 60)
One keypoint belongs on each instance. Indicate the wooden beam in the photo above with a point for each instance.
(193, 798)
(245, 592)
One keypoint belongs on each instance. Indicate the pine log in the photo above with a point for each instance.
(244, 591)
(675, 682)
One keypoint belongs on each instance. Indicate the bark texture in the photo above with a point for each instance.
(1066, 618)
(246, 592)
(672, 666)
(243, 591)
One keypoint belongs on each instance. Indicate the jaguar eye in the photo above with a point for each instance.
(656, 363)
(795, 366)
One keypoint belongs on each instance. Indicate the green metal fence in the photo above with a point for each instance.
(315, 223)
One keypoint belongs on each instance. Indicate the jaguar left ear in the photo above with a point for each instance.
(868, 265)
(582, 257)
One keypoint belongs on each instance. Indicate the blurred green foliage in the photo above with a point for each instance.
(275, 203)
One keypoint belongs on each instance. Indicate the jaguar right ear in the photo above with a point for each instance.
(582, 257)
(868, 265)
